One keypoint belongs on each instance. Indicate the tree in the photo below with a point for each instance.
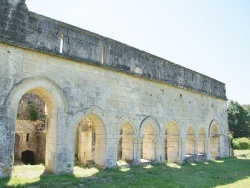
(238, 120)
(247, 107)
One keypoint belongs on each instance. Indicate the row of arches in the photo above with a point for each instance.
(147, 145)
(91, 137)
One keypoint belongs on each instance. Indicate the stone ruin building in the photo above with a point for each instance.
(105, 100)
(30, 136)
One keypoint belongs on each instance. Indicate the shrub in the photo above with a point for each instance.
(34, 112)
(241, 143)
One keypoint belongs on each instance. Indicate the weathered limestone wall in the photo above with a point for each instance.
(107, 82)
(112, 96)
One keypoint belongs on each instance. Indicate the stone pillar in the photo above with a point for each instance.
(137, 150)
(221, 145)
(7, 137)
(183, 149)
(111, 151)
(116, 143)
(159, 157)
(207, 148)
(196, 148)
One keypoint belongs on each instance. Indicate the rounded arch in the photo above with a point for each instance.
(42, 86)
(127, 119)
(153, 122)
(57, 107)
(93, 110)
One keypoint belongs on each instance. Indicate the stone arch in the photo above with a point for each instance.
(149, 130)
(190, 141)
(153, 122)
(57, 108)
(126, 131)
(127, 119)
(41, 86)
(172, 150)
(78, 116)
(101, 130)
(214, 139)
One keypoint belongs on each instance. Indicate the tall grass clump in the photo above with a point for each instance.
(241, 143)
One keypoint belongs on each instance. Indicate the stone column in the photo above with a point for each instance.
(159, 150)
(137, 150)
(221, 145)
(207, 148)
(196, 148)
(183, 148)
(111, 151)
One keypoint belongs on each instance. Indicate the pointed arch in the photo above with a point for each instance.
(153, 122)
(213, 127)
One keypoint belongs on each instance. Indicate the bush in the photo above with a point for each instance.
(241, 143)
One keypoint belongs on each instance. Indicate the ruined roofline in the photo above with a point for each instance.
(78, 29)
(34, 31)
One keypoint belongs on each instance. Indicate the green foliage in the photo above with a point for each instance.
(247, 107)
(238, 120)
(34, 113)
(241, 143)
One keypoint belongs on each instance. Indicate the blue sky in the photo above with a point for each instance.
(208, 36)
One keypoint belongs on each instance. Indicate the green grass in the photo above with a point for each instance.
(231, 172)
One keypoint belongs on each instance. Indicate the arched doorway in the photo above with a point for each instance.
(125, 149)
(28, 157)
(172, 143)
(91, 141)
(214, 141)
(148, 149)
(190, 143)
(30, 129)
(55, 102)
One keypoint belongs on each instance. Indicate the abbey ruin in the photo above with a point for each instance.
(105, 100)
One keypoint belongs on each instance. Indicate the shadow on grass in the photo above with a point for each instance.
(210, 174)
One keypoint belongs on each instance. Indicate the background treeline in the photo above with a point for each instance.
(239, 124)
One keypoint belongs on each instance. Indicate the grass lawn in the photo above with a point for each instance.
(231, 172)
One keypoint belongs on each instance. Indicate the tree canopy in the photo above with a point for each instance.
(238, 120)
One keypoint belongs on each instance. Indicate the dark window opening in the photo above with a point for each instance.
(27, 137)
(28, 157)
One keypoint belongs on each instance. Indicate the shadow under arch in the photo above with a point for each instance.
(201, 140)
(214, 136)
(126, 131)
(190, 141)
(101, 130)
(57, 107)
(172, 149)
(148, 133)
